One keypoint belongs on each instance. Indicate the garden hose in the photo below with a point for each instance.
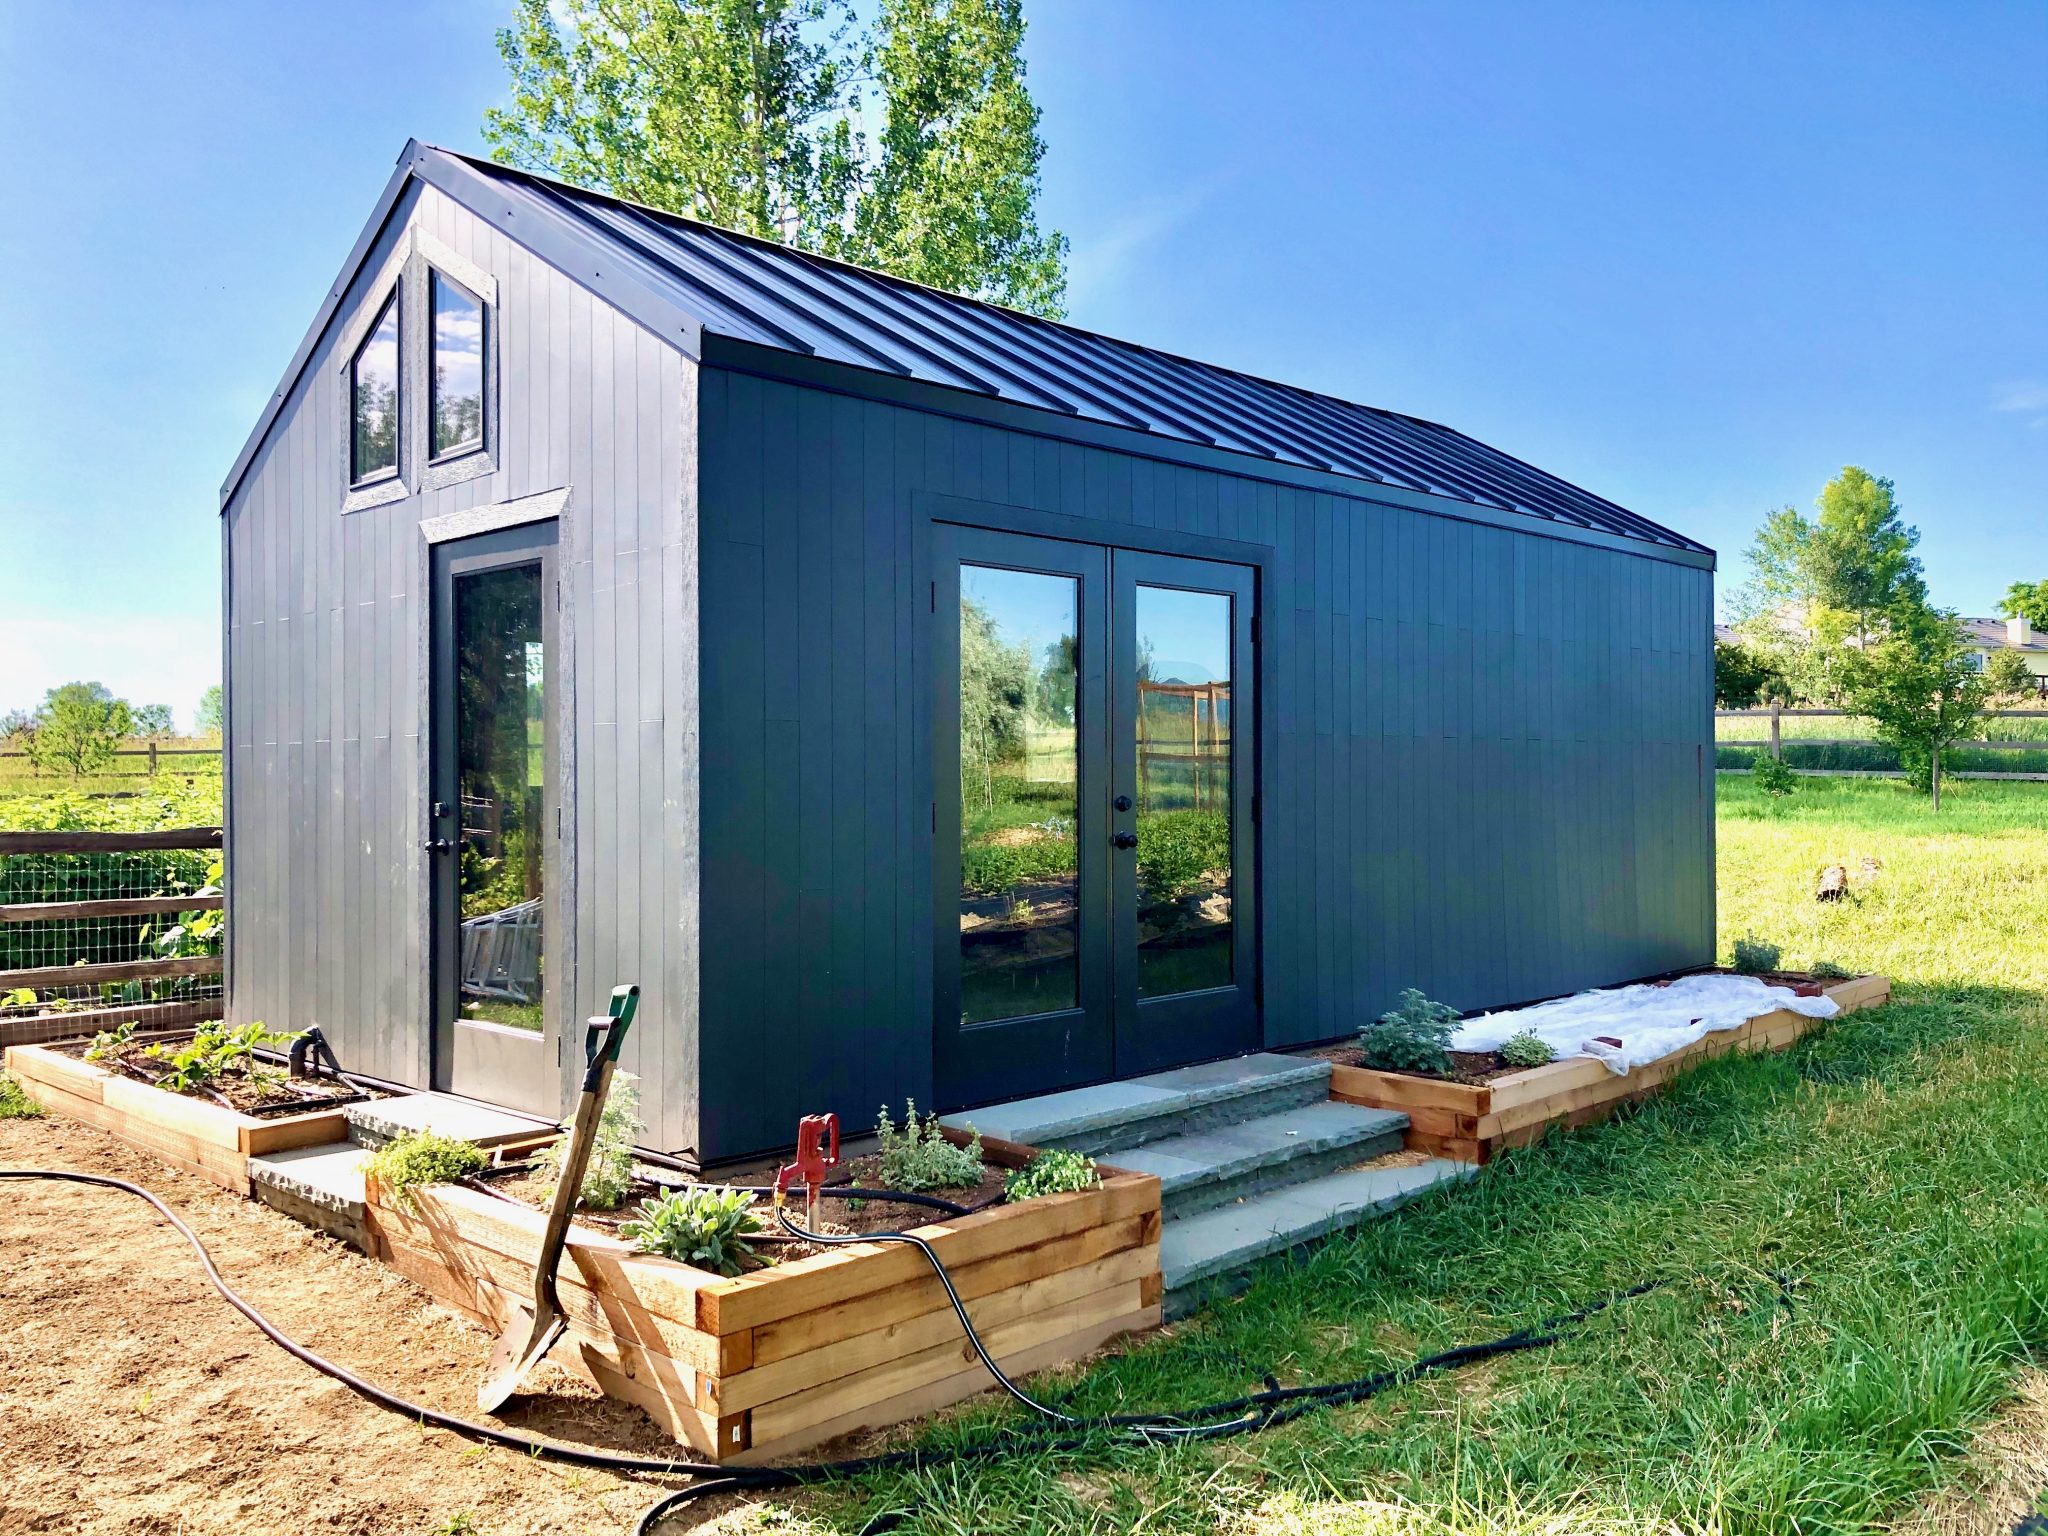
(1273, 1406)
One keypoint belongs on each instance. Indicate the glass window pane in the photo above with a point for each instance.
(458, 366)
(373, 388)
(1019, 888)
(1183, 725)
(500, 734)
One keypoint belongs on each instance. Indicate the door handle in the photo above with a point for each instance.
(1125, 840)
(436, 845)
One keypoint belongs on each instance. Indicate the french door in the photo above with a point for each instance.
(1094, 865)
(492, 832)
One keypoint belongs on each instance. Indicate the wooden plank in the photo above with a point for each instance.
(36, 1064)
(863, 1270)
(117, 970)
(108, 842)
(814, 1365)
(1397, 1090)
(934, 1395)
(201, 1119)
(119, 906)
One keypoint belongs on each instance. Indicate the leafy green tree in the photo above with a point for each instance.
(2026, 600)
(1920, 687)
(1744, 676)
(212, 710)
(77, 729)
(150, 719)
(997, 682)
(2008, 678)
(912, 146)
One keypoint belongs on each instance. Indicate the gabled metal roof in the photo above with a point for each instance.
(757, 291)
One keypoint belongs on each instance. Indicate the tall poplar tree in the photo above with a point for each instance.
(910, 144)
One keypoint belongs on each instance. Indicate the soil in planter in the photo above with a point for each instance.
(528, 1185)
(267, 1094)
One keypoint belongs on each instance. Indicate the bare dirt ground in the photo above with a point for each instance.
(133, 1400)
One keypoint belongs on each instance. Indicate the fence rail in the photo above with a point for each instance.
(1776, 743)
(83, 920)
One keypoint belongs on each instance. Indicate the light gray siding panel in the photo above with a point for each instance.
(1481, 778)
(327, 729)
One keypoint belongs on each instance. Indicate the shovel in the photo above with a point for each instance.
(530, 1335)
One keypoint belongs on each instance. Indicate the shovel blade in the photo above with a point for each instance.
(522, 1346)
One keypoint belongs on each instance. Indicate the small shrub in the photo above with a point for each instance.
(1527, 1049)
(1753, 955)
(1177, 848)
(423, 1157)
(15, 1104)
(1773, 775)
(919, 1157)
(702, 1225)
(1053, 1172)
(1827, 970)
(1413, 1036)
(609, 1174)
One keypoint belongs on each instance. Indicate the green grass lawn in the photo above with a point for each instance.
(1894, 1168)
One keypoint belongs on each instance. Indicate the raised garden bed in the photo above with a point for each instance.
(761, 1366)
(199, 1136)
(1472, 1120)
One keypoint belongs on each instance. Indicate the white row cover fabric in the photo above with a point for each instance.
(1649, 1021)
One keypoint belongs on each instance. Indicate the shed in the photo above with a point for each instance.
(917, 698)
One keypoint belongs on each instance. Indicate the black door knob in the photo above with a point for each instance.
(1125, 840)
(1123, 802)
(436, 845)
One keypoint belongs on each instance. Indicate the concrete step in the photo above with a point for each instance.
(1201, 1170)
(1212, 1253)
(320, 1186)
(381, 1120)
(1112, 1117)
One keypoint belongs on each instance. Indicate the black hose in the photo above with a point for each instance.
(1261, 1410)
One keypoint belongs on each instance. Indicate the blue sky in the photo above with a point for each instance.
(1694, 257)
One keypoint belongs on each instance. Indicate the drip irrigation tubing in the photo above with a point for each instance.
(1267, 1409)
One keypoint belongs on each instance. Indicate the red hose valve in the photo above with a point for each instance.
(817, 1154)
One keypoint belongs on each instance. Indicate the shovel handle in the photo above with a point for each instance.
(604, 1038)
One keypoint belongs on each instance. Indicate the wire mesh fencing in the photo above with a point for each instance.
(103, 929)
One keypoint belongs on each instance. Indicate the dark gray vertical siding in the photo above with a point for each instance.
(1484, 780)
(323, 657)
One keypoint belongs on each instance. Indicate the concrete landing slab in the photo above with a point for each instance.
(1214, 1167)
(381, 1120)
(320, 1186)
(1203, 1254)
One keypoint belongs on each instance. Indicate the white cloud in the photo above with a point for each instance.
(2026, 397)
(144, 659)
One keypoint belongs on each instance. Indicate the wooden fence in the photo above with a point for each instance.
(44, 1022)
(1775, 744)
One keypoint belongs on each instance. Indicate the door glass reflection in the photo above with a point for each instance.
(1019, 887)
(500, 735)
(1183, 724)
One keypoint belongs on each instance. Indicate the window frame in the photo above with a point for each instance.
(434, 271)
(394, 305)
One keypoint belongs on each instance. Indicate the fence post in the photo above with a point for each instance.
(152, 759)
(1777, 745)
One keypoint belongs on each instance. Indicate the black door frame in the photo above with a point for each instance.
(519, 1070)
(938, 519)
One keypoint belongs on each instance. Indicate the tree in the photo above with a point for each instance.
(1920, 688)
(150, 719)
(77, 729)
(755, 114)
(996, 686)
(1744, 676)
(212, 711)
(2026, 600)
(16, 722)
(2008, 678)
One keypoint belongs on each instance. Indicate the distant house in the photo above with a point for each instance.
(1985, 636)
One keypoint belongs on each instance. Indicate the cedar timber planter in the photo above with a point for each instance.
(1473, 1121)
(196, 1136)
(757, 1367)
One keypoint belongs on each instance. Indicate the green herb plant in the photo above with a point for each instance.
(110, 1042)
(703, 1225)
(1053, 1172)
(609, 1175)
(1413, 1036)
(415, 1158)
(1527, 1049)
(1828, 970)
(214, 1051)
(920, 1158)
(1753, 955)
